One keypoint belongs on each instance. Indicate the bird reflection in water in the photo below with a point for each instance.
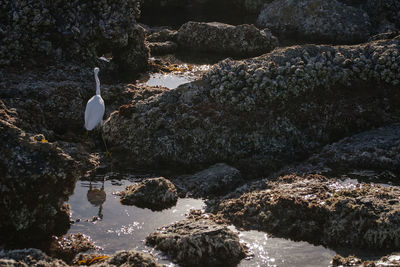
(97, 197)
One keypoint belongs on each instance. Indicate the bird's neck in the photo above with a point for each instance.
(97, 84)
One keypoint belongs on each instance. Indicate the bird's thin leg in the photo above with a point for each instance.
(105, 145)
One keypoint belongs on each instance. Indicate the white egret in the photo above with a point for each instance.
(95, 108)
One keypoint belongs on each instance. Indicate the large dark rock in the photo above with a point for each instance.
(374, 154)
(321, 210)
(41, 31)
(198, 242)
(155, 194)
(243, 40)
(213, 181)
(259, 114)
(316, 20)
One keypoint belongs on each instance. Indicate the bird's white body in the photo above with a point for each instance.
(94, 112)
(95, 108)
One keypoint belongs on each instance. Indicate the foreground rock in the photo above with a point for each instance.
(391, 260)
(260, 114)
(315, 20)
(36, 178)
(373, 155)
(129, 258)
(28, 257)
(321, 210)
(198, 242)
(73, 31)
(66, 248)
(34, 257)
(155, 194)
(216, 180)
(243, 40)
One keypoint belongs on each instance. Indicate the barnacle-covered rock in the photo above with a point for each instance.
(321, 210)
(259, 114)
(242, 40)
(316, 20)
(198, 241)
(215, 180)
(74, 30)
(156, 194)
(121, 258)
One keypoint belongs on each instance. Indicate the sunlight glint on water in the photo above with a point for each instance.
(125, 227)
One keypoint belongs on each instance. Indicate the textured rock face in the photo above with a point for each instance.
(383, 10)
(216, 180)
(259, 114)
(316, 20)
(242, 40)
(73, 30)
(156, 194)
(321, 210)
(36, 177)
(198, 242)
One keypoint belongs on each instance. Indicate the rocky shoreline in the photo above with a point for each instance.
(301, 141)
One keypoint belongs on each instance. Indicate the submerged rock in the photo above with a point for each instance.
(260, 114)
(321, 210)
(216, 180)
(198, 242)
(242, 40)
(155, 194)
(316, 20)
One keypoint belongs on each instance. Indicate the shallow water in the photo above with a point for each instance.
(182, 74)
(126, 227)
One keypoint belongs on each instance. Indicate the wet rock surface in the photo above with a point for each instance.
(216, 180)
(321, 210)
(316, 20)
(198, 241)
(73, 30)
(260, 114)
(155, 194)
(242, 40)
